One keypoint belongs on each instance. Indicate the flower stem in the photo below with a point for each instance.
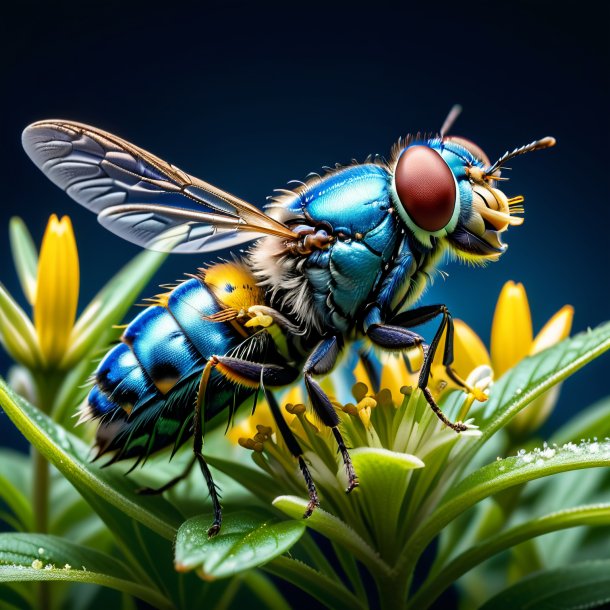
(47, 385)
(391, 594)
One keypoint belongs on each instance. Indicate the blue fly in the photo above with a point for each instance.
(340, 257)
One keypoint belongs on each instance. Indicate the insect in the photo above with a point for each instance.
(339, 257)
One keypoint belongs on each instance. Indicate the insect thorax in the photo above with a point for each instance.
(369, 260)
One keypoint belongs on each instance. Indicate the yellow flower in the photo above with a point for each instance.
(56, 289)
(537, 412)
(511, 333)
(511, 330)
(512, 340)
(50, 282)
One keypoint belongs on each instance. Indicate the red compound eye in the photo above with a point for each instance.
(425, 187)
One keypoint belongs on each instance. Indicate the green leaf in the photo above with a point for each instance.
(71, 457)
(111, 304)
(384, 475)
(594, 421)
(497, 476)
(15, 484)
(253, 480)
(584, 515)
(529, 379)
(246, 540)
(574, 587)
(17, 333)
(149, 554)
(25, 257)
(28, 557)
(537, 374)
(336, 530)
(331, 593)
(262, 587)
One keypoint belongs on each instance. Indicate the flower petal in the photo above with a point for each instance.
(57, 288)
(469, 352)
(395, 375)
(555, 330)
(511, 331)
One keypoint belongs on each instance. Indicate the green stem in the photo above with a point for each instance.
(46, 387)
(391, 594)
(40, 497)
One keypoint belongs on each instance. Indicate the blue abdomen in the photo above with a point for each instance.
(146, 385)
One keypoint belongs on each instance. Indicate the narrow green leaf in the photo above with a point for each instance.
(263, 588)
(594, 421)
(148, 553)
(336, 530)
(384, 479)
(331, 593)
(74, 388)
(25, 257)
(18, 504)
(17, 333)
(574, 587)
(433, 587)
(255, 481)
(350, 567)
(497, 476)
(246, 540)
(71, 457)
(537, 374)
(111, 304)
(14, 486)
(27, 557)
(526, 381)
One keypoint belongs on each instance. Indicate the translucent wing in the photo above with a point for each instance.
(141, 197)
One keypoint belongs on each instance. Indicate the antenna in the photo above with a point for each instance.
(535, 145)
(454, 113)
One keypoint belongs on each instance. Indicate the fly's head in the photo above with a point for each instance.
(447, 188)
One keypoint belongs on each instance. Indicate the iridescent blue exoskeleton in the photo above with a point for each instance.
(338, 258)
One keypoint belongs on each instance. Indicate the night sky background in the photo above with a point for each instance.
(249, 96)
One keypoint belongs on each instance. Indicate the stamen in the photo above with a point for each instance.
(515, 200)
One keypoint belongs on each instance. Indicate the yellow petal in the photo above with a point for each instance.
(247, 427)
(555, 330)
(361, 375)
(511, 331)
(469, 352)
(56, 289)
(395, 375)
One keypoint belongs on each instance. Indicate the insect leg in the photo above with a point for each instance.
(420, 316)
(321, 361)
(393, 337)
(295, 449)
(257, 375)
(253, 373)
(153, 491)
(198, 447)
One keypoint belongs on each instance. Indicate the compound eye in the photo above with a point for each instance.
(426, 188)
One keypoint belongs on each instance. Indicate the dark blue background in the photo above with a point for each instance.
(249, 96)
